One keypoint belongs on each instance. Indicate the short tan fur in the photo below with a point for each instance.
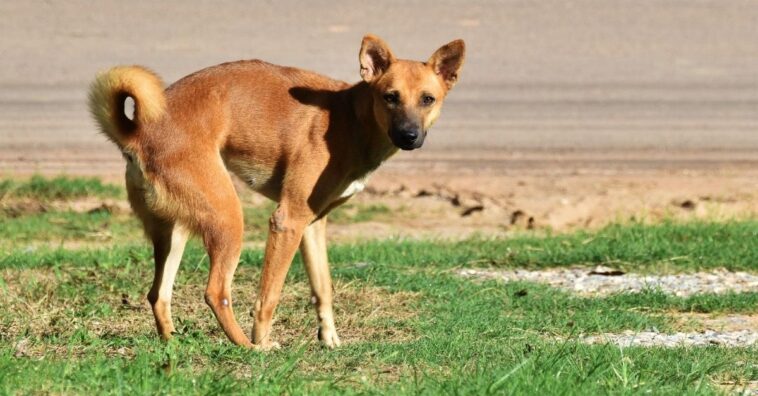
(299, 138)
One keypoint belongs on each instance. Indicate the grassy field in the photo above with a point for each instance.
(75, 320)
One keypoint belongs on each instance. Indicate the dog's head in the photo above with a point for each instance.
(408, 95)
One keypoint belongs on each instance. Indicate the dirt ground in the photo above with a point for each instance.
(494, 193)
(456, 206)
(564, 191)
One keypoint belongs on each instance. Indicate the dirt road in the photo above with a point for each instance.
(578, 75)
(662, 93)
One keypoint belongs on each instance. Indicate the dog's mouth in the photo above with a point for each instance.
(408, 147)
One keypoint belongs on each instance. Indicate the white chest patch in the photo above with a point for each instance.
(354, 188)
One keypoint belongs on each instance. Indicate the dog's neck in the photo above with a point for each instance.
(372, 141)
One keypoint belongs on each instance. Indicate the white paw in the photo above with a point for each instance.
(328, 337)
(265, 346)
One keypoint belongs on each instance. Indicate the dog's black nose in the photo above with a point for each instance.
(409, 135)
(408, 138)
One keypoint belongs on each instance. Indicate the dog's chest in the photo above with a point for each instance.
(354, 188)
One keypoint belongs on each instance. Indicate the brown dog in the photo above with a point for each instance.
(299, 138)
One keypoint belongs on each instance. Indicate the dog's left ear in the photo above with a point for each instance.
(447, 61)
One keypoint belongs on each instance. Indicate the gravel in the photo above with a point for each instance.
(604, 281)
(741, 338)
(600, 281)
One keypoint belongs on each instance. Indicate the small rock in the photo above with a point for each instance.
(687, 204)
(606, 271)
(471, 210)
(21, 348)
(516, 216)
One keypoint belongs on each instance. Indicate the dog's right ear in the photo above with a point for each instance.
(375, 57)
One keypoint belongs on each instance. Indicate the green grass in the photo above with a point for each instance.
(61, 187)
(55, 227)
(443, 334)
(669, 246)
(357, 213)
(654, 248)
(42, 223)
(74, 320)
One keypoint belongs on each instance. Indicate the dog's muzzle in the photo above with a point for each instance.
(407, 139)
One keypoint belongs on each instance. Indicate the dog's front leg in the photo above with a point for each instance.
(286, 230)
(313, 248)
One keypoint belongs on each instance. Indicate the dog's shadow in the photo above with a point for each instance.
(345, 162)
(321, 98)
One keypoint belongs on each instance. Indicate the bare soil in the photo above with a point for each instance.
(493, 193)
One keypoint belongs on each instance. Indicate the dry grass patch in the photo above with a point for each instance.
(52, 307)
(17, 207)
(694, 321)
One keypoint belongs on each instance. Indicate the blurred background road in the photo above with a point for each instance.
(638, 83)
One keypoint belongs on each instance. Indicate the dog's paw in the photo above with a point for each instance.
(328, 337)
(267, 346)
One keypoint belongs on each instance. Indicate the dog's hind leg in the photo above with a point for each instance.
(221, 226)
(224, 244)
(169, 239)
(168, 246)
(313, 249)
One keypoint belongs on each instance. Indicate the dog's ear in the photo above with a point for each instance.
(375, 57)
(447, 61)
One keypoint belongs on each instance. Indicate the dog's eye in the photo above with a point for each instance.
(427, 100)
(392, 98)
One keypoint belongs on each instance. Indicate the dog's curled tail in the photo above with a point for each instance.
(107, 96)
